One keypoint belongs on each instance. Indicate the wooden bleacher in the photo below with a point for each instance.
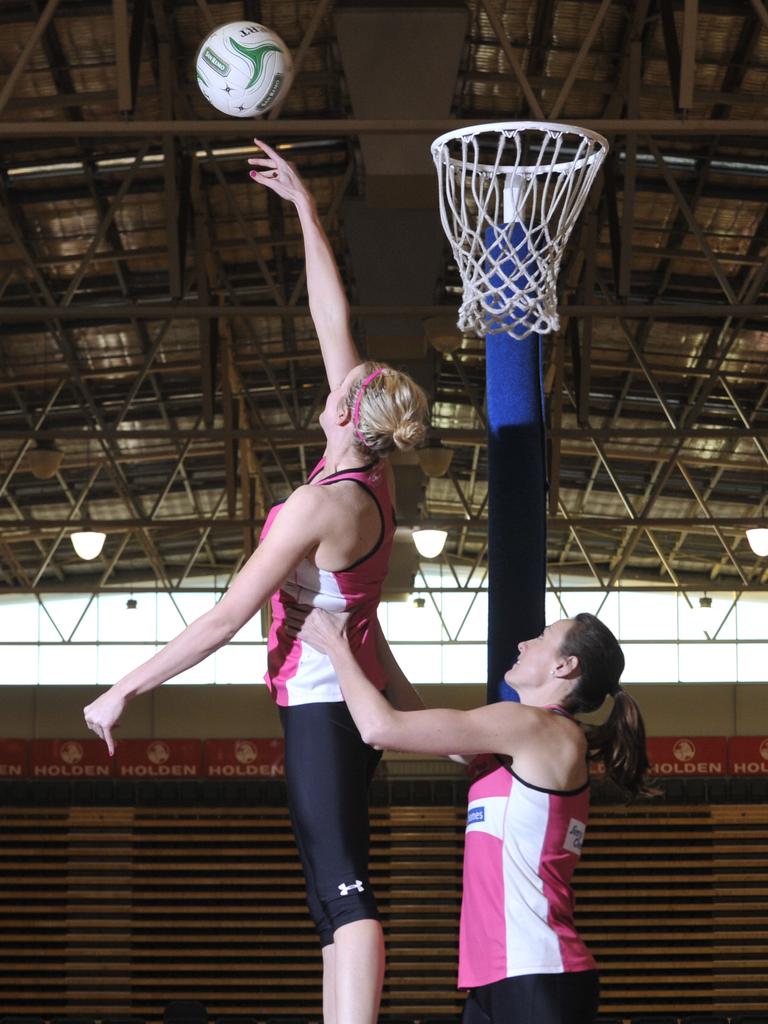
(122, 909)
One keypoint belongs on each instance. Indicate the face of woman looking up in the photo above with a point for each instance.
(539, 658)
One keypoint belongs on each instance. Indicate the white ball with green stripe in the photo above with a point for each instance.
(243, 68)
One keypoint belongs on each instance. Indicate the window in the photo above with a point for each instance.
(438, 636)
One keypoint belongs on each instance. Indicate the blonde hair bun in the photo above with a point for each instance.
(409, 434)
(393, 410)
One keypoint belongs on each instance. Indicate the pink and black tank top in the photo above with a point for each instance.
(521, 848)
(296, 673)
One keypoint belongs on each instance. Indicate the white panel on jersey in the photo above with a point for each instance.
(316, 679)
(531, 942)
(316, 587)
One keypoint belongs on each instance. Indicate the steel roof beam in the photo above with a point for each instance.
(119, 311)
(688, 55)
(457, 435)
(648, 91)
(705, 509)
(726, 340)
(34, 38)
(509, 52)
(68, 352)
(18, 10)
(107, 212)
(335, 128)
(721, 468)
(63, 188)
(24, 530)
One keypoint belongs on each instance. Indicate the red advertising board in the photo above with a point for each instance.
(13, 759)
(157, 759)
(687, 756)
(670, 757)
(68, 759)
(254, 759)
(748, 755)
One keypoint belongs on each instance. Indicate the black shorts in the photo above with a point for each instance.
(568, 998)
(328, 772)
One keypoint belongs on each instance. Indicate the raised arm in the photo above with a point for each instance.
(296, 531)
(327, 299)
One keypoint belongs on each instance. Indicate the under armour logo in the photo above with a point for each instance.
(356, 886)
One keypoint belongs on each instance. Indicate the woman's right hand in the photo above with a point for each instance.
(320, 629)
(101, 716)
(277, 174)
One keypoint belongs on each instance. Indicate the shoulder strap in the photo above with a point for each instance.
(557, 710)
(353, 473)
(318, 468)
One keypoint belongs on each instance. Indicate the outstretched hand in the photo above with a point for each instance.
(277, 174)
(318, 628)
(102, 714)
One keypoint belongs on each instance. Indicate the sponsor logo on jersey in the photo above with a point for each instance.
(475, 814)
(574, 837)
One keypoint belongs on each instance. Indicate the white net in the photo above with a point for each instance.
(510, 195)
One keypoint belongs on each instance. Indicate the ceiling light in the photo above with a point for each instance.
(44, 459)
(706, 615)
(434, 459)
(758, 540)
(131, 604)
(419, 602)
(442, 333)
(88, 543)
(60, 168)
(429, 543)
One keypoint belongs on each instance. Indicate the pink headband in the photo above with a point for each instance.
(358, 400)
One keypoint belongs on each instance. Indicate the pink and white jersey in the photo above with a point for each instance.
(296, 672)
(522, 845)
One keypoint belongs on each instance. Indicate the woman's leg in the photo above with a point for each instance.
(329, 984)
(358, 971)
(328, 769)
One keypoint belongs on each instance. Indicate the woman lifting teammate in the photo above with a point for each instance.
(520, 955)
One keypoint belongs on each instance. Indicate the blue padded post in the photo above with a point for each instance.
(517, 484)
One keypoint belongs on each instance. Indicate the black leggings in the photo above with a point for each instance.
(328, 771)
(569, 998)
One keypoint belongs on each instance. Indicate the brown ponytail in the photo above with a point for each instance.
(619, 742)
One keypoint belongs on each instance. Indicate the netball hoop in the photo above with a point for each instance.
(510, 195)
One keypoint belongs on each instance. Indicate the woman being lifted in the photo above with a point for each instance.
(326, 546)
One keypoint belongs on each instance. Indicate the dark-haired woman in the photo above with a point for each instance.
(520, 955)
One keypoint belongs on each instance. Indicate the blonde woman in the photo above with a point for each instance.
(326, 546)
